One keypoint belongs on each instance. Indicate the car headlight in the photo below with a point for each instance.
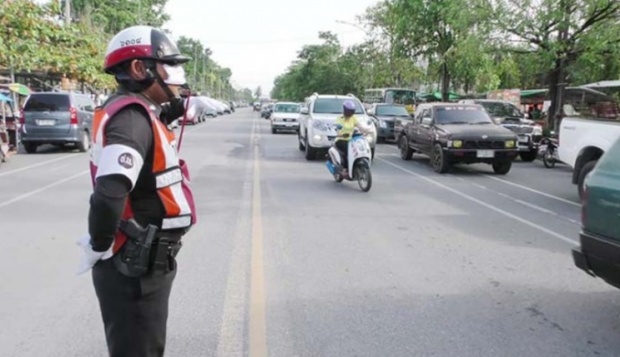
(455, 143)
(538, 130)
(510, 144)
(319, 125)
(382, 124)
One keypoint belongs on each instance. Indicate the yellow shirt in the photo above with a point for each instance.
(348, 126)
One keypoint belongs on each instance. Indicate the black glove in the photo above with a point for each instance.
(172, 110)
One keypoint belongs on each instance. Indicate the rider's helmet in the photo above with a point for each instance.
(150, 45)
(348, 108)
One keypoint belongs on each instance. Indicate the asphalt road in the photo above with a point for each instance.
(286, 262)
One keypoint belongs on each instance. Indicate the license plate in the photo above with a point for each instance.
(524, 139)
(46, 122)
(486, 154)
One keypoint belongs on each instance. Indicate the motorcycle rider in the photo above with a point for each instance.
(346, 124)
(139, 185)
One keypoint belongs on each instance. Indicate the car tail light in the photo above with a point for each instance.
(22, 117)
(74, 116)
(584, 205)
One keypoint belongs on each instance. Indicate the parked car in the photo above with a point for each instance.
(57, 118)
(317, 123)
(599, 247)
(266, 111)
(583, 141)
(285, 116)
(509, 116)
(452, 133)
(384, 116)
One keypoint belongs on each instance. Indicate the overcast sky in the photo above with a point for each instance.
(258, 39)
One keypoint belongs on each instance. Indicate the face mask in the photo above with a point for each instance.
(176, 75)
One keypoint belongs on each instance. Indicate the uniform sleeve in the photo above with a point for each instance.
(128, 138)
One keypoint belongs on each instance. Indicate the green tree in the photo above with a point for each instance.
(114, 15)
(565, 34)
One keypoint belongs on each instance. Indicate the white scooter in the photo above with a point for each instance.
(358, 160)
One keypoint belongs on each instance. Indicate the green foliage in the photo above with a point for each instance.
(33, 37)
(467, 46)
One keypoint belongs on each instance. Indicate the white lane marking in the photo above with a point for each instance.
(573, 203)
(484, 204)
(41, 189)
(524, 203)
(38, 164)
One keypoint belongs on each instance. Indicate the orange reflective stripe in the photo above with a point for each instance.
(97, 119)
(159, 157)
(170, 204)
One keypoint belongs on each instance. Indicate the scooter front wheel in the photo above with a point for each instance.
(364, 178)
(338, 177)
(549, 158)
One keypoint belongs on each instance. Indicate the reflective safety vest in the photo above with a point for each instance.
(171, 176)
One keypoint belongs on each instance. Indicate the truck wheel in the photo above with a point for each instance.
(30, 148)
(310, 152)
(585, 170)
(502, 167)
(405, 151)
(301, 146)
(528, 156)
(440, 162)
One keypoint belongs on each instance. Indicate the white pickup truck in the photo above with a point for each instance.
(583, 141)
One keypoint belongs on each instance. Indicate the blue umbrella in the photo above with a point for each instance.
(4, 98)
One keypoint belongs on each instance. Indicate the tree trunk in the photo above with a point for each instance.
(445, 83)
(554, 79)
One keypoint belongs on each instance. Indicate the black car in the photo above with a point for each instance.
(510, 117)
(458, 133)
(385, 116)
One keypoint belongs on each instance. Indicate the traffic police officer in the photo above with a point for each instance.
(142, 204)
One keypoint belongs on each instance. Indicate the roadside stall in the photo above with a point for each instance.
(5, 139)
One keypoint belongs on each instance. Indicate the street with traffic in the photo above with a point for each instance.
(284, 261)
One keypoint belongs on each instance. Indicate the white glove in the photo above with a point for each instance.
(89, 256)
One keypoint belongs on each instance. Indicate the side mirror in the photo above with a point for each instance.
(304, 111)
(371, 112)
(427, 121)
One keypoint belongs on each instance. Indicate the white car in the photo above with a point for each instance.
(285, 116)
(317, 123)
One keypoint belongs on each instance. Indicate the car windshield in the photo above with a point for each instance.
(286, 108)
(334, 106)
(391, 111)
(47, 102)
(498, 109)
(462, 115)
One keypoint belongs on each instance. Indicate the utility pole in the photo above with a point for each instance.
(67, 12)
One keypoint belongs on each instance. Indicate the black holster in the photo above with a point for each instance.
(134, 258)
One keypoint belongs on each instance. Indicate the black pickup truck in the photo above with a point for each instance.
(451, 133)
